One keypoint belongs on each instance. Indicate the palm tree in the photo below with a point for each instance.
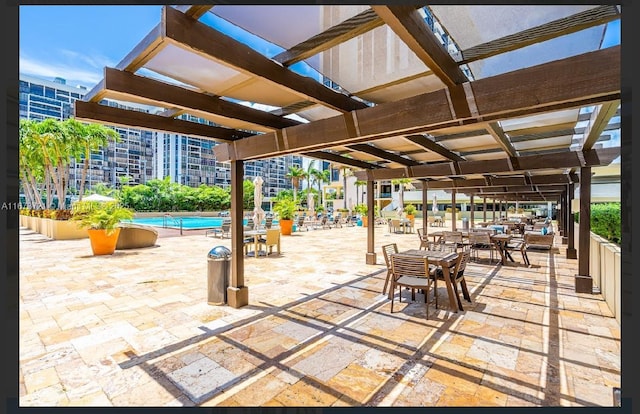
(87, 138)
(358, 184)
(295, 174)
(31, 164)
(346, 172)
(320, 177)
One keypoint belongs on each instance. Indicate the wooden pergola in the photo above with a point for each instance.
(513, 110)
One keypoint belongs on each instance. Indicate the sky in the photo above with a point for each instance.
(77, 42)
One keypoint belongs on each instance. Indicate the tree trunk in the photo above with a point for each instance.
(85, 168)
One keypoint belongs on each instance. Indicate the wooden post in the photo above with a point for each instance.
(584, 282)
(484, 209)
(453, 209)
(371, 227)
(237, 293)
(471, 225)
(425, 201)
(494, 210)
(571, 251)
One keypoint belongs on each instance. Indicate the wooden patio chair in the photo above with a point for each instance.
(387, 251)
(271, 239)
(456, 276)
(481, 241)
(453, 240)
(425, 243)
(411, 272)
(518, 244)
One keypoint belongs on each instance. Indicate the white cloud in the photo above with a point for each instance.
(73, 73)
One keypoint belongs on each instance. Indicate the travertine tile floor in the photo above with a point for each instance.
(135, 329)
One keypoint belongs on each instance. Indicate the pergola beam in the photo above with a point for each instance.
(568, 83)
(121, 85)
(598, 122)
(561, 160)
(384, 155)
(339, 159)
(340, 33)
(498, 134)
(464, 183)
(430, 145)
(212, 44)
(92, 111)
(560, 27)
(411, 28)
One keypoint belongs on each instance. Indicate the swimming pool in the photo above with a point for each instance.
(188, 222)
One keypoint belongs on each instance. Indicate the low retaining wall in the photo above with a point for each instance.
(54, 229)
(604, 268)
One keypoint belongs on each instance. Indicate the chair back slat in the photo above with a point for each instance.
(452, 236)
(409, 265)
(479, 238)
(387, 251)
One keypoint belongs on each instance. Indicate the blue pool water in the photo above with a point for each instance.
(188, 223)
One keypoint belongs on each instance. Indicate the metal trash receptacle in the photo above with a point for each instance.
(218, 270)
(465, 223)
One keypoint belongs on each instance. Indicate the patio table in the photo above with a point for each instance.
(256, 238)
(439, 258)
(501, 240)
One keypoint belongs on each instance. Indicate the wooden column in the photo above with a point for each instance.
(237, 292)
(378, 196)
(584, 282)
(494, 209)
(563, 213)
(453, 209)
(471, 225)
(371, 225)
(484, 209)
(571, 250)
(565, 216)
(425, 201)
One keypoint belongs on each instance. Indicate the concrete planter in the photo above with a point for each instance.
(67, 230)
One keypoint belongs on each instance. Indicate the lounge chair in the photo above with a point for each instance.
(302, 222)
(224, 229)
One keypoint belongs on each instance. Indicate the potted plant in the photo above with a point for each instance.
(285, 208)
(362, 210)
(410, 209)
(101, 219)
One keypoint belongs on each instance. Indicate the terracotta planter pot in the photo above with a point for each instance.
(101, 243)
(365, 221)
(286, 226)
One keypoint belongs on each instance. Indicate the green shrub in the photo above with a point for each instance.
(605, 220)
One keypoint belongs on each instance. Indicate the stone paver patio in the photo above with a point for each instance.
(135, 329)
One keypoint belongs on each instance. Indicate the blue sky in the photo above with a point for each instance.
(78, 42)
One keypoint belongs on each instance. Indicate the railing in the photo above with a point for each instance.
(168, 218)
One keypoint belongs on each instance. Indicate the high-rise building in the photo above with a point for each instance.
(142, 155)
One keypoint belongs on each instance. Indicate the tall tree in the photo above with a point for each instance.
(346, 172)
(88, 138)
(295, 174)
(319, 177)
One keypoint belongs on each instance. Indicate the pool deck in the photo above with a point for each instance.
(135, 329)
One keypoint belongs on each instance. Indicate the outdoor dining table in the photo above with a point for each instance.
(440, 258)
(501, 240)
(256, 238)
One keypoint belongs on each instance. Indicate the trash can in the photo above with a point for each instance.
(218, 270)
(465, 223)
